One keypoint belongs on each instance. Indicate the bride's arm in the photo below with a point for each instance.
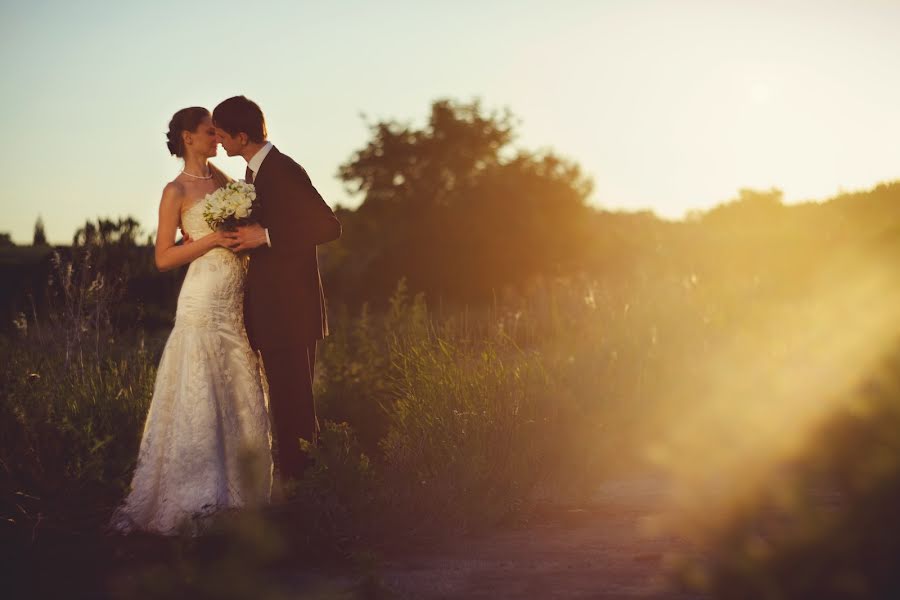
(168, 255)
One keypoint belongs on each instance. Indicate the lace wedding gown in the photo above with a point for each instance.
(207, 442)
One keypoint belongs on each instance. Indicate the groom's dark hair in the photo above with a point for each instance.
(240, 114)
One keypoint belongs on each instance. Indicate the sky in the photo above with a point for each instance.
(669, 105)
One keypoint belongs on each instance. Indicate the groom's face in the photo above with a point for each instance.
(232, 144)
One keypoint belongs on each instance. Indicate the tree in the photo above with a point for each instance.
(40, 237)
(106, 232)
(114, 248)
(750, 207)
(456, 210)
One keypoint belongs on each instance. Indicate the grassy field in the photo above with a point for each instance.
(441, 422)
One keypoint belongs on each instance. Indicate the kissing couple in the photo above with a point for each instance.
(237, 369)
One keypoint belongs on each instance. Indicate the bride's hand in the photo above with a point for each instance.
(219, 239)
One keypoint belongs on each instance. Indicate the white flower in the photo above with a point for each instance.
(234, 201)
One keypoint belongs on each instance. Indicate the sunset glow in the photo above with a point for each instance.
(669, 106)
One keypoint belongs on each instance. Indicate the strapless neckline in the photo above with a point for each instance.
(193, 206)
(192, 221)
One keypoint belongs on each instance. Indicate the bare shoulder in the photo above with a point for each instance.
(173, 193)
(174, 188)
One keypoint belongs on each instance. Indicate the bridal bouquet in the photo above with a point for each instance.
(229, 206)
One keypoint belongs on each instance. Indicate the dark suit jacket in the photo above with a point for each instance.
(284, 304)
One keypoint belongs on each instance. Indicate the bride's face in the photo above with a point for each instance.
(203, 140)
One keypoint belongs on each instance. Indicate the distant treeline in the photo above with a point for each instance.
(465, 217)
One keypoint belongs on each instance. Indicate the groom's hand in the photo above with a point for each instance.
(246, 237)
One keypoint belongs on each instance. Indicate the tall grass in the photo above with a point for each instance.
(451, 418)
(75, 390)
(448, 421)
(451, 423)
(469, 426)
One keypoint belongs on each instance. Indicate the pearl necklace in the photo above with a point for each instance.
(196, 176)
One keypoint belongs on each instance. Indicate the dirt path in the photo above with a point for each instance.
(598, 551)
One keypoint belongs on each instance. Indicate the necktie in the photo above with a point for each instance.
(248, 176)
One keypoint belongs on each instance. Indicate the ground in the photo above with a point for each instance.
(601, 550)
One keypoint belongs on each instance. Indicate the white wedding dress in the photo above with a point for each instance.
(207, 441)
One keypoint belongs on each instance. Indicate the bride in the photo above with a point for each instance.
(206, 444)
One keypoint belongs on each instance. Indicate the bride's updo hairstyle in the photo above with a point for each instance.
(186, 119)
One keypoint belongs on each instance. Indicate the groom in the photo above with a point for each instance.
(284, 306)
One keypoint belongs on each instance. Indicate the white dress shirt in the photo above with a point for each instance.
(254, 164)
(258, 158)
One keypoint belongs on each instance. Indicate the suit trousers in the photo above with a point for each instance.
(290, 372)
